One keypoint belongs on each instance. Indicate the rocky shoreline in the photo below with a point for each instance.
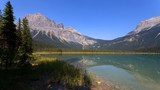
(102, 85)
(99, 83)
(44, 83)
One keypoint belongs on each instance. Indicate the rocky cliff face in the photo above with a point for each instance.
(40, 24)
(38, 21)
(146, 34)
(146, 25)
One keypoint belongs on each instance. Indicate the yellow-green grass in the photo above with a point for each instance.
(63, 73)
(58, 72)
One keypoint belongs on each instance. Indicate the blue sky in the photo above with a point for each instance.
(102, 19)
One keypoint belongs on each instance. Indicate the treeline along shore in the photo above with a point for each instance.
(46, 48)
(81, 52)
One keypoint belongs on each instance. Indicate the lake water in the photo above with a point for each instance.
(130, 72)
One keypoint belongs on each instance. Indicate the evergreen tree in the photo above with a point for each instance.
(8, 36)
(1, 25)
(1, 21)
(19, 34)
(27, 39)
(26, 47)
(9, 28)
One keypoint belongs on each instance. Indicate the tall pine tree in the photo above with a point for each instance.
(8, 36)
(26, 38)
(1, 19)
(9, 28)
(19, 34)
(1, 25)
(26, 47)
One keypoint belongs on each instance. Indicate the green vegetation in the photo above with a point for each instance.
(39, 46)
(15, 45)
(63, 73)
(25, 49)
(58, 72)
(1, 23)
(45, 48)
(7, 36)
(9, 28)
(18, 67)
(19, 35)
(15, 48)
(151, 49)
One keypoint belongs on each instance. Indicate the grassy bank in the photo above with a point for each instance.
(45, 73)
(62, 73)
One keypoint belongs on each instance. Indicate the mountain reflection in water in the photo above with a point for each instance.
(128, 71)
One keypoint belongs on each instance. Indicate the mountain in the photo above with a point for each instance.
(146, 25)
(146, 35)
(47, 30)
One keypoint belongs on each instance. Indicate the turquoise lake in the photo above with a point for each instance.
(129, 72)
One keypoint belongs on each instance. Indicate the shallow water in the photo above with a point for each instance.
(131, 72)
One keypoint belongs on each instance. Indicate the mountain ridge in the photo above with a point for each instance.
(50, 28)
(47, 30)
(145, 25)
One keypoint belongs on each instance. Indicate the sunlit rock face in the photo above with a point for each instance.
(39, 23)
(146, 25)
(145, 35)
(37, 20)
